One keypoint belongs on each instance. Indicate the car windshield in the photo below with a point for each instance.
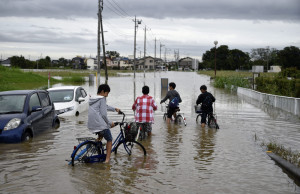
(61, 95)
(10, 104)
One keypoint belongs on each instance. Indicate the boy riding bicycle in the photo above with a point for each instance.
(171, 94)
(98, 121)
(144, 107)
(205, 99)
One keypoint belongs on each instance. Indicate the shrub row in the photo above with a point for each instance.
(278, 86)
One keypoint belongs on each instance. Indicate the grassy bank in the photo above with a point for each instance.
(77, 73)
(15, 79)
(287, 154)
(225, 79)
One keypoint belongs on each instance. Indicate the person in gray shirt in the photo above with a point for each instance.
(98, 121)
(172, 93)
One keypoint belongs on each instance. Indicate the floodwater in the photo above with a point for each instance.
(180, 159)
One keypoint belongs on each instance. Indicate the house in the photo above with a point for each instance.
(148, 62)
(78, 63)
(257, 69)
(125, 63)
(186, 63)
(6, 63)
(92, 64)
(275, 69)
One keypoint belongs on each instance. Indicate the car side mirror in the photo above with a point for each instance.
(36, 108)
(80, 99)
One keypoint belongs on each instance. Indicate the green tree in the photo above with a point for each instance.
(289, 57)
(112, 54)
(17, 61)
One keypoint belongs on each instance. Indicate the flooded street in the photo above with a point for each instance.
(180, 159)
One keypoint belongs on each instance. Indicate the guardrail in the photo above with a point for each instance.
(288, 104)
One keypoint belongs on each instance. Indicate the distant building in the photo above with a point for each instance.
(275, 69)
(148, 62)
(6, 63)
(257, 69)
(78, 63)
(92, 64)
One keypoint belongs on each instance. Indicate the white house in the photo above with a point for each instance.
(275, 69)
(92, 64)
(257, 69)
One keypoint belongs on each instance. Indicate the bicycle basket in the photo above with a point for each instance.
(198, 109)
(131, 131)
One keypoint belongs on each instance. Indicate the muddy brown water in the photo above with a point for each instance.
(180, 159)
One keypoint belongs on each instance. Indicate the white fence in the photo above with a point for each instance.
(288, 104)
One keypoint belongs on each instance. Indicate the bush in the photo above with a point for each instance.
(278, 86)
(227, 82)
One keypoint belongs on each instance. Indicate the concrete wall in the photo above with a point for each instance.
(287, 104)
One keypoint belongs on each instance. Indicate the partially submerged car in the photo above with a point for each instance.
(25, 113)
(69, 100)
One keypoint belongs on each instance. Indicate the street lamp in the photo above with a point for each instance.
(215, 42)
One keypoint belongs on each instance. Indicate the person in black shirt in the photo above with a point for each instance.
(172, 93)
(205, 99)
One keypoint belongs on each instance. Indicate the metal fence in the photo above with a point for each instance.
(288, 104)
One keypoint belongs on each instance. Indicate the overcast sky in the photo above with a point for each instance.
(67, 28)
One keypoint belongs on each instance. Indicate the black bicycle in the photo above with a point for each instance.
(91, 150)
(211, 118)
(180, 119)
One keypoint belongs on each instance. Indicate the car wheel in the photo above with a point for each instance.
(56, 124)
(27, 136)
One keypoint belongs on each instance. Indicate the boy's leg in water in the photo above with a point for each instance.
(108, 151)
(203, 119)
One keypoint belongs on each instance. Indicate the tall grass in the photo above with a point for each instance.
(228, 82)
(73, 79)
(287, 154)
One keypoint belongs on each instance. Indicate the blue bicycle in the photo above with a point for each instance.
(91, 150)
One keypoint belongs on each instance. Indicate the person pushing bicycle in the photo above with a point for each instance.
(206, 100)
(98, 121)
(171, 94)
(144, 107)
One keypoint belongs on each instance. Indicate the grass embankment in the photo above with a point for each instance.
(225, 79)
(271, 83)
(15, 79)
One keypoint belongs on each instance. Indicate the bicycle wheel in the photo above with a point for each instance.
(180, 119)
(88, 152)
(165, 116)
(131, 148)
(199, 115)
(212, 122)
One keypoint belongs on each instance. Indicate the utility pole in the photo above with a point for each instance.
(154, 56)
(161, 45)
(103, 45)
(136, 22)
(145, 50)
(98, 42)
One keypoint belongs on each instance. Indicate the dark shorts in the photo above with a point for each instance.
(203, 117)
(171, 111)
(146, 126)
(106, 134)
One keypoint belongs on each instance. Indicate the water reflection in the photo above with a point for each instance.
(181, 159)
(204, 144)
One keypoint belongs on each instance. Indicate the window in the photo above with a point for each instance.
(34, 101)
(77, 94)
(44, 99)
(83, 93)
